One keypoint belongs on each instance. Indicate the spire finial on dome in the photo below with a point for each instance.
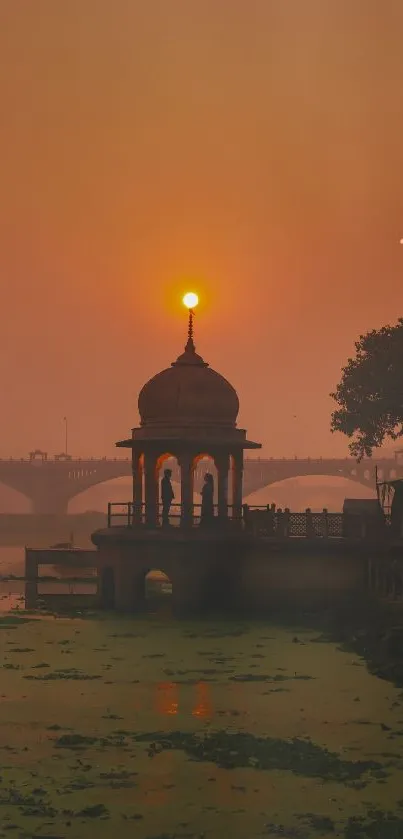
(190, 300)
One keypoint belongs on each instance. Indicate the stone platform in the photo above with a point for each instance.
(221, 571)
(227, 571)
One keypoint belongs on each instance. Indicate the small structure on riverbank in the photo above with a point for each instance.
(363, 517)
(390, 497)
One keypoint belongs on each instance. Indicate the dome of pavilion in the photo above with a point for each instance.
(188, 393)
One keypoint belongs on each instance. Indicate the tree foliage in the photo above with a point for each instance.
(370, 392)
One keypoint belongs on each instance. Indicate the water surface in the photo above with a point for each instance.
(155, 728)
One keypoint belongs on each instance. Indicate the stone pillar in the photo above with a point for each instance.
(237, 476)
(126, 599)
(186, 467)
(189, 579)
(137, 488)
(151, 490)
(138, 592)
(222, 464)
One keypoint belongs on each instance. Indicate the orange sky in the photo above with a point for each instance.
(252, 149)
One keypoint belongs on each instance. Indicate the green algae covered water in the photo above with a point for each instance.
(153, 728)
(157, 729)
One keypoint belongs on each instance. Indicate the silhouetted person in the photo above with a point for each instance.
(167, 495)
(207, 505)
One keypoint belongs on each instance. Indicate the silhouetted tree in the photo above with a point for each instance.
(370, 393)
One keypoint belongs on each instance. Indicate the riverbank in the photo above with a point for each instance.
(378, 638)
(371, 630)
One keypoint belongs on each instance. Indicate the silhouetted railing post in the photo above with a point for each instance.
(286, 522)
(325, 523)
(310, 531)
(270, 520)
(280, 523)
(109, 514)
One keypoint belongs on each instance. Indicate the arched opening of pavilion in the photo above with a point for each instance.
(203, 464)
(168, 465)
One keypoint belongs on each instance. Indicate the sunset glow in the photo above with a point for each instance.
(252, 166)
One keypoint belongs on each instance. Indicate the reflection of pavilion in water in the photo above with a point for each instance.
(164, 791)
(167, 700)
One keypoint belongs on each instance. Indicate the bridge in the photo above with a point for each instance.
(50, 482)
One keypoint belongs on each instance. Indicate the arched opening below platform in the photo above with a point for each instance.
(157, 591)
(107, 588)
(157, 585)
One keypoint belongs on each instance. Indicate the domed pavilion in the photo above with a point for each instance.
(187, 411)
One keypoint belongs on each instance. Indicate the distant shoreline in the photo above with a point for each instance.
(20, 529)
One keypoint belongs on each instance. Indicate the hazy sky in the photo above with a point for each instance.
(250, 149)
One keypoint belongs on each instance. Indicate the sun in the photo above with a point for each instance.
(190, 300)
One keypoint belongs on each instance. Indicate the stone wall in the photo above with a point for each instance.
(286, 579)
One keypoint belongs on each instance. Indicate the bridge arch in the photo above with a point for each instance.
(96, 496)
(14, 500)
(313, 491)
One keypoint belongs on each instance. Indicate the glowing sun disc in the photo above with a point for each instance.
(190, 300)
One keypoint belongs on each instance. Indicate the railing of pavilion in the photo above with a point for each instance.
(127, 514)
(263, 521)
